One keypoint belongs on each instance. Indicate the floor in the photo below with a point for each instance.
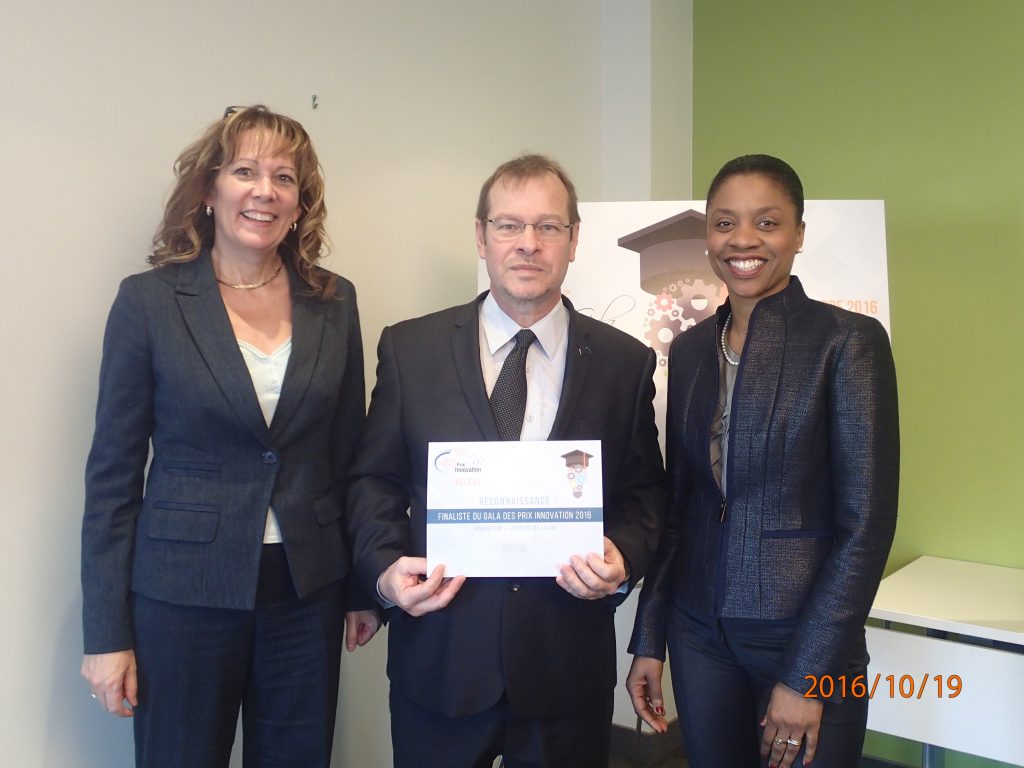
(650, 750)
(671, 761)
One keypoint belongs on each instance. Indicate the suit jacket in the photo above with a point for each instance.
(813, 476)
(552, 653)
(190, 531)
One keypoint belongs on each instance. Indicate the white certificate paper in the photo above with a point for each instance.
(512, 508)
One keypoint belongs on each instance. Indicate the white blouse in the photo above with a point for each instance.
(267, 372)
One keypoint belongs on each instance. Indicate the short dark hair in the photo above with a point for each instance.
(528, 167)
(773, 168)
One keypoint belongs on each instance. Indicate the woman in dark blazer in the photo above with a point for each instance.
(216, 579)
(783, 454)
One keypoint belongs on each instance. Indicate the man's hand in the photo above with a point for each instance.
(595, 576)
(114, 680)
(360, 627)
(403, 584)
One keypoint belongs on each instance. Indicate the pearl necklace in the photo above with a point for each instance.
(252, 286)
(725, 345)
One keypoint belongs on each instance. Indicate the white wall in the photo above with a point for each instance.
(645, 154)
(417, 103)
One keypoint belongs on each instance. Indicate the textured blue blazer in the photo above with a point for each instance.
(813, 481)
(552, 654)
(175, 394)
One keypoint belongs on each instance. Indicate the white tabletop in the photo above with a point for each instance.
(956, 596)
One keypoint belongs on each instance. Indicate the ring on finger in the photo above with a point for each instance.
(779, 740)
(793, 742)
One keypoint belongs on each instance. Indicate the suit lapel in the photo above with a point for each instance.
(203, 311)
(577, 362)
(758, 377)
(307, 335)
(466, 354)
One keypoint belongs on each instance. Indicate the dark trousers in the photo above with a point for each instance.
(425, 739)
(279, 663)
(723, 673)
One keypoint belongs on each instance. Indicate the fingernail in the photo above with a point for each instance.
(659, 710)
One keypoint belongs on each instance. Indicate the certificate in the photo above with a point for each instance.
(511, 508)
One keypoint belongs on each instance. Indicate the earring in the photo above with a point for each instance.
(799, 250)
(209, 211)
(705, 251)
(295, 226)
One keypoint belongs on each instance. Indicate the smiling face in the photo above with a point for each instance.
(753, 236)
(255, 199)
(526, 272)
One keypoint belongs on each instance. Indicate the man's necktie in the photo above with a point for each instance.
(508, 398)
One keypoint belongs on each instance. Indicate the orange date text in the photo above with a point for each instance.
(893, 686)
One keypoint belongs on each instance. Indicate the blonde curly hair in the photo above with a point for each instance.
(186, 229)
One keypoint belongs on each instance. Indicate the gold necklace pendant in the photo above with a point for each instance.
(252, 286)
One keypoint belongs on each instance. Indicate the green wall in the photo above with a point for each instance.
(919, 103)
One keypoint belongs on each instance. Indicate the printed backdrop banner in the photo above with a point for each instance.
(640, 266)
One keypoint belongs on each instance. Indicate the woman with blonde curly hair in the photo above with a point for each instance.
(215, 578)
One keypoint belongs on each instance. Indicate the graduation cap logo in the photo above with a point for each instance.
(675, 270)
(576, 463)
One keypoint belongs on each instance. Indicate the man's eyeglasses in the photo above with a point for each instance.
(512, 229)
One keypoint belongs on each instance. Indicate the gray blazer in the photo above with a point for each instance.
(813, 481)
(190, 529)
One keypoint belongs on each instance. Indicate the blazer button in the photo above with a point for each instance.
(513, 587)
(269, 457)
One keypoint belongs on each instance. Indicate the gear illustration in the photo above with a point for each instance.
(661, 332)
(699, 300)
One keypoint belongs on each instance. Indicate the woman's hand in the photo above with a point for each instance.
(360, 627)
(114, 680)
(790, 718)
(644, 686)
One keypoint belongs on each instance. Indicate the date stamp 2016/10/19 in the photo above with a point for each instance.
(895, 686)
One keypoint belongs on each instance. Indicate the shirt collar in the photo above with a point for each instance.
(552, 330)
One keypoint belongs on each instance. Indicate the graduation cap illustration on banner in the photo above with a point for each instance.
(577, 462)
(674, 269)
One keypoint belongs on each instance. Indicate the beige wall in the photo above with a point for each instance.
(417, 103)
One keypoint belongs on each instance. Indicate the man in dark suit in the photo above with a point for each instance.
(522, 667)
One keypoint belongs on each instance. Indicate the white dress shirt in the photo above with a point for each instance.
(545, 361)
